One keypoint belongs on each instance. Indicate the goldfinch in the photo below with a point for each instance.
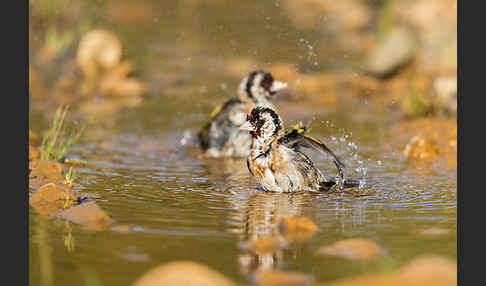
(276, 160)
(220, 137)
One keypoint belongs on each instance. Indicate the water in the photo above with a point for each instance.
(182, 207)
(185, 208)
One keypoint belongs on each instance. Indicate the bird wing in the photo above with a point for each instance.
(295, 139)
(219, 115)
(216, 110)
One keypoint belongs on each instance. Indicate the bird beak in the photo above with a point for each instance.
(277, 86)
(247, 126)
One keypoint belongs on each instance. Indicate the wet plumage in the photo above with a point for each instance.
(276, 158)
(220, 137)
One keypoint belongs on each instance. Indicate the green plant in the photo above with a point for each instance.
(70, 176)
(58, 42)
(69, 179)
(55, 145)
(416, 104)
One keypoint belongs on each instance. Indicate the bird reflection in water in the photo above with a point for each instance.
(256, 222)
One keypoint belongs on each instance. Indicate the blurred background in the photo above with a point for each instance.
(390, 50)
(377, 79)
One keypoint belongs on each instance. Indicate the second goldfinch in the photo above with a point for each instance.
(276, 159)
(220, 137)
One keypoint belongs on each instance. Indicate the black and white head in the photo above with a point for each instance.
(259, 85)
(263, 123)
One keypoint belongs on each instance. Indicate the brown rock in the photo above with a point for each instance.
(49, 198)
(420, 148)
(281, 278)
(297, 228)
(87, 214)
(98, 50)
(394, 51)
(185, 273)
(437, 132)
(435, 270)
(355, 249)
(421, 271)
(48, 170)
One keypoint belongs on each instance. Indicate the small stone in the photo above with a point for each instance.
(394, 51)
(421, 271)
(98, 50)
(420, 148)
(51, 197)
(46, 168)
(354, 249)
(183, 273)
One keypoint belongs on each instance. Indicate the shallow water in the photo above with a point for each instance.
(182, 207)
(185, 208)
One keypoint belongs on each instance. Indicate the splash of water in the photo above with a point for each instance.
(188, 138)
(362, 176)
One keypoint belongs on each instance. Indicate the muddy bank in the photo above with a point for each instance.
(53, 192)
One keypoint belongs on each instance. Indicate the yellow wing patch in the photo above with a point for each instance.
(297, 127)
(216, 110)
(314, 139)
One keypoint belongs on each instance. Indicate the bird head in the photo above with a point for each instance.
(258, 86)
(263, 123)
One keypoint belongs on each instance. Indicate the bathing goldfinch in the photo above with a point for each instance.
(276, 159)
